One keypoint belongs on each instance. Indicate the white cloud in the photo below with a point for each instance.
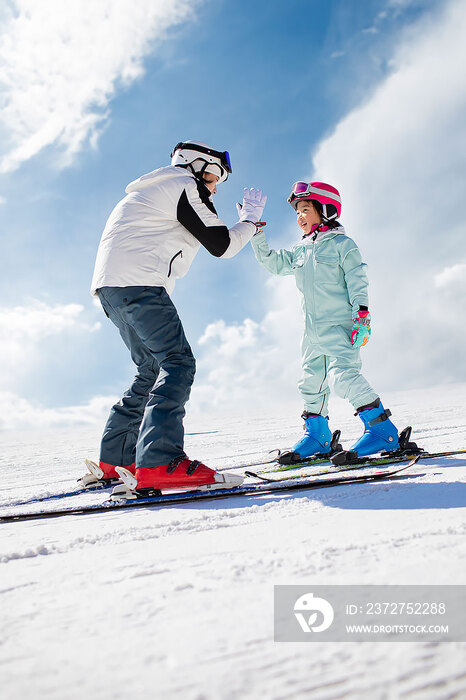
(38, 320)
(454, 276)
(30, 334)
(63, 62)
(18, 413)
(250, 363)
(23, 329)
(398, 161)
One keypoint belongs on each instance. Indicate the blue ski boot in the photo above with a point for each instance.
(317, 440)
(379, 435)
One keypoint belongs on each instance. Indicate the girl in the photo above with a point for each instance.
(331, 277)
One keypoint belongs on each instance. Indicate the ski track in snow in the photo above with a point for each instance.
(178, 603)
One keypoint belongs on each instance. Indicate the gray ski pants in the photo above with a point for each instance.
(146, 425)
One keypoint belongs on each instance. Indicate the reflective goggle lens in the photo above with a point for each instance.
(226, 156)
(300, 188)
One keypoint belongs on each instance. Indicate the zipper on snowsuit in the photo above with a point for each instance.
(180, 252)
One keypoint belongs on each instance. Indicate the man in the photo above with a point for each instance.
(149, 241)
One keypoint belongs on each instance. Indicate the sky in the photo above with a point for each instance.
(369, 96)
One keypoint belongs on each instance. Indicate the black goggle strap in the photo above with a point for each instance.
(200, 173)
(326, 216)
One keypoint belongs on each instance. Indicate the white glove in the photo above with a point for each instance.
(253, 205)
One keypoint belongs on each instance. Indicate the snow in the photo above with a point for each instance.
(178, 603)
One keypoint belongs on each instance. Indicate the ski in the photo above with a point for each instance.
(331, 469)
(179, 498)
(106, 486)
(328, 469)
(358, 463)
(266, 462)
(284, 459)
(258, 462)
(103, 487)
(92, 481)
(61, 495)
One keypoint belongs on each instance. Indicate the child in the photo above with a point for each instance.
(331, 277)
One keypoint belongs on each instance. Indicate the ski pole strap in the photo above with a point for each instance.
(380, 419)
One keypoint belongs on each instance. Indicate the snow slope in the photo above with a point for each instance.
(178, 603)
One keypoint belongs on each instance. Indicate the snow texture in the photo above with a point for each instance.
(178, 603)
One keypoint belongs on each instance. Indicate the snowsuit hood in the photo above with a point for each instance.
(155, 177)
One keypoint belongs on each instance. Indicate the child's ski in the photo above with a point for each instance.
(358, 463)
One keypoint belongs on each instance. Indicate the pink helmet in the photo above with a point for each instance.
(326, 195)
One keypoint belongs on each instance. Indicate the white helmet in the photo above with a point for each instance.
(202, 158)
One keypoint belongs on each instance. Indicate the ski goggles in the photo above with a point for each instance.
(223, 156)
(321, 192)
(302, 189)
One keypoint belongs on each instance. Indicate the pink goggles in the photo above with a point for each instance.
(300, 188)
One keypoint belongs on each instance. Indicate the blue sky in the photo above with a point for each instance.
(367, 95)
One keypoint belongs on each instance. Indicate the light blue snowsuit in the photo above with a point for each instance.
(332, 279)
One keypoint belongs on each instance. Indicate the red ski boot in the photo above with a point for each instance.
(181, 473)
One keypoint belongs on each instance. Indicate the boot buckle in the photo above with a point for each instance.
(380, 419)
